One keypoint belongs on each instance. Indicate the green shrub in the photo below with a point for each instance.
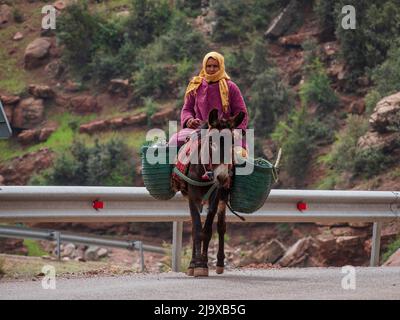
(148, 20)
(167, 63)
(269, 100)
(238, 64)
(152, 80)
(325, 12)
(151, 108)
(109, 164)
(191, 8)
(182, 41)
(106, 66)
(367, 46)
(228, 27)
(371, 99)
(259, 61)
(34, 248)
(345, 149)
(297, 145)
(186, 257)
(311, 52)
(321, 132)
(386, 77)
(79, 32)
(184, 69)
(236, 20)
(317, 88)
(93, 45)
(392, 248)
(369, 162)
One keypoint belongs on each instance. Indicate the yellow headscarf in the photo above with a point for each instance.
(219, 76)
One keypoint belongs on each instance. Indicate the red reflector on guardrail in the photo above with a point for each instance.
(98, 204)
(301, 206)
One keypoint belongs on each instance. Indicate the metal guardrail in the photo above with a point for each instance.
(61, 236)
(127, 204)
(5, 128)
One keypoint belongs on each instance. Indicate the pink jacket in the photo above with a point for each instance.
(207, 98)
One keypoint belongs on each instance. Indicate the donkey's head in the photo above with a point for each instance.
(221, 142)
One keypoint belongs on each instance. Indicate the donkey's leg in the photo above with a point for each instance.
(190, 270)
(207, 229)
(200, 269)
(221, 234)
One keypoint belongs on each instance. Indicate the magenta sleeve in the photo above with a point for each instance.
(237, 104)
(187, 110)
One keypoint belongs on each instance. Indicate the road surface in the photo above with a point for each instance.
(310, 283)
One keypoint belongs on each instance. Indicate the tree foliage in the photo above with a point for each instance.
(109, 164)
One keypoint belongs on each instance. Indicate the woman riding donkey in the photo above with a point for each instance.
(212, 102)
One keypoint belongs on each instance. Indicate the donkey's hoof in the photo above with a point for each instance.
(220, 270)
(190, 272)
(201, 272)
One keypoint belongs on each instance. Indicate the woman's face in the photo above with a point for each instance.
(212, 66)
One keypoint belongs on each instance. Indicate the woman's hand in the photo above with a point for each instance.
(193, 123)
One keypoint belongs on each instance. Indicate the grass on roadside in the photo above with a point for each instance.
(392, 248)
(34, 249)
(22, 267)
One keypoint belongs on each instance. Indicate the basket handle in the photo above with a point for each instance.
(276, 165)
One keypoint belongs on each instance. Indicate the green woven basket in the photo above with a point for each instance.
(157, 177)
(249, 192)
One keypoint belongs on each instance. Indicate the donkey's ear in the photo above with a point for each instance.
(213, 118)
(238, 119)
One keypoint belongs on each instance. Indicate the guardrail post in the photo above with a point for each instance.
(376, 244)
(57, 237)
(141, 256)
(176, 245)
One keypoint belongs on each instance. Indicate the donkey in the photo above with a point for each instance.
(216, 192)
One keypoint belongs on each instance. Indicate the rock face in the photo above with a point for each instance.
(270, 253)
(55, 69)
(84, 104)
(163, 116)
(114, 123)
(18, 36)
(36, 53)
(119, 87)
(386, 116)
(41, 91)
(35, 135)
(21, 168)
(10, 99)
(60, 5)
(384, 132)
(357, 107)
(206, 24)
(28, 114)
(295, 40)
(95, 253)
(5, 14)
(386, 141)
(94, 126)
(13, 246)
(299, 255)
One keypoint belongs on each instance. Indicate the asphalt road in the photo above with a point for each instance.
(311, 283)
